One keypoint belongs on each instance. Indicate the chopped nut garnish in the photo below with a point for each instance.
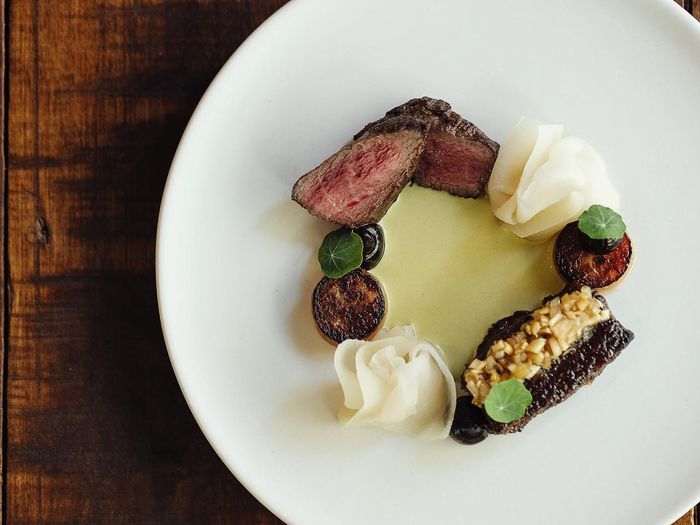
(550, 333)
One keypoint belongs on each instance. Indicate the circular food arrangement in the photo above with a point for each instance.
(462, 290)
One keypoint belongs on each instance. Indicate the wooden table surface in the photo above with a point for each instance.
(96, 95)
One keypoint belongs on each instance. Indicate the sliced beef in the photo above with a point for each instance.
(356, 185)
(587, 358)
(422, 140)
(458, 157)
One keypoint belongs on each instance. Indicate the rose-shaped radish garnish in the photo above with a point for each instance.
(397, 382)
(541, 181)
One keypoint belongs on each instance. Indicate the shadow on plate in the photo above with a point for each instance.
(302, 327)
(309, 418)
(288, 222)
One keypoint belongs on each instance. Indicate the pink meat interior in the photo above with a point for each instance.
(362, 176)
(449, 162)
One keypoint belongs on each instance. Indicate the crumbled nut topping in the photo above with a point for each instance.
(550, 333)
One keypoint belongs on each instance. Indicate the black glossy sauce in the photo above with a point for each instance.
(372, 245)
(469, 425)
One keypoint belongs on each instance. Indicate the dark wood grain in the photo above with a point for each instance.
(687, 519)
(95, 427)
(3, 237)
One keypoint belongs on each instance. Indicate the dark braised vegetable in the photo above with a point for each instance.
(372, 237)
(580, 365)
(469, 424)
(578, 265)
(599, 246)
(351, 307)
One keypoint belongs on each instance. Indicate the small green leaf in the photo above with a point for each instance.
(507, 401)
(600, 222)
(340, 253)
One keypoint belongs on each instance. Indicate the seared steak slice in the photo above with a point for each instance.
(586, 359)
(356, 185)
(458, 157)
(421, 140)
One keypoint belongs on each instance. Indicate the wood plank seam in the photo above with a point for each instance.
(4, 321)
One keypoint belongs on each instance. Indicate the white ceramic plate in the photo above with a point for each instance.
(236, 257)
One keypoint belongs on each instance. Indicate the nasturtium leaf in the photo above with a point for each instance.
(600, 222)
(507, 401)
(340, 253)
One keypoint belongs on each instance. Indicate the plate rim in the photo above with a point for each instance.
(673, 9)
(167, 190)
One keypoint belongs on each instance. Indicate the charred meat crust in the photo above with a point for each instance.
(394, 123)
(588, 357)
(577, 265)
(432, 112)
(351, 307)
